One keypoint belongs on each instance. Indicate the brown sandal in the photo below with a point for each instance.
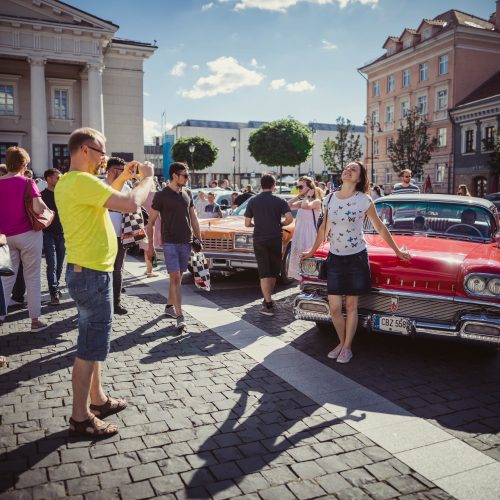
(92, 427)
(110, 407)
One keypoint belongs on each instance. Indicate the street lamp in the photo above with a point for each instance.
(233, 145)
(192, 147)
(370, 123)
(313, 131)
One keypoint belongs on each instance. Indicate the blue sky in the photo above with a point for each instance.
(241, 60)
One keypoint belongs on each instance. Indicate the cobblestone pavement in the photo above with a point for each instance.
(207, 421)
(454, 386)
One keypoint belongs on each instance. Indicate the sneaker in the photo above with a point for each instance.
(170, 311)
(38, 326)
(55, 299)
(181, 323)
(120, 310)
(345, 356)
(267, 308)
(335, 353)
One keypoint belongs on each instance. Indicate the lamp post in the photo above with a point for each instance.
(192, 147)
(370, 124)
(313, 132)
(233, 145)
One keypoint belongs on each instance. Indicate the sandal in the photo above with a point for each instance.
(110, 407)
(335, 353)
(38, 326)
(3, 360)
(152, 275)
(92, 427)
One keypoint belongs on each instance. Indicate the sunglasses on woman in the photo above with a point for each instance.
(300, 186)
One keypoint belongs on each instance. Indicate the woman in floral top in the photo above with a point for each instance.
(348, 269)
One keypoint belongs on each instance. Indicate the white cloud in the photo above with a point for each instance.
(178, 69)
(146, 94)
(255, 64)
(195, 67)
(207, 6)
(277, 84)
(151, 129)
(328, 45)
(283, 5)
(303, 86)
(227, 76)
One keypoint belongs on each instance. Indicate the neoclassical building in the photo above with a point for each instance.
(62, 68)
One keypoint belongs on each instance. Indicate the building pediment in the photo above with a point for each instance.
(51, 13)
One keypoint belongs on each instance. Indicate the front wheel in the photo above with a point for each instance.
(284, 278)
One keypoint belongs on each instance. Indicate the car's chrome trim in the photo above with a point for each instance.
(209, 254)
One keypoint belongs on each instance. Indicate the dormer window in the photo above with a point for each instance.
(426, 33)
(407, 42)
(390, 50)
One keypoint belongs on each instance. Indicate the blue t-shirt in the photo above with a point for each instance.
(266, 210)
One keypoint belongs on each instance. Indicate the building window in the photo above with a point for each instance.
(426, 33)
(422, 105)
(489, 138)
(419, 178)
(441, 137)
(374, 117)
(389, 113)
(406, 77)
(469, 141)
(390, 83)
(405, 106)
(61, 110)
(375, 177)
(388, 176)
(3, 150)
(376, 89)
(6, 99)
(442, 99)
(388, 141)
(440, 168)
(408, 42)
(443, 65)
(60, 157)
(375, 148)
(423, 71)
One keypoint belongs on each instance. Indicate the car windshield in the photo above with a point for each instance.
(451, 220)
(241, 209)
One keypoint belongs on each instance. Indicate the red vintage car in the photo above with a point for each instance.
(451, 286)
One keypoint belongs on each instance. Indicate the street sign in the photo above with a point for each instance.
(324, 173)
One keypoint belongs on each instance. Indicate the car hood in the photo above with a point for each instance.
(437, 264)
(227, 225)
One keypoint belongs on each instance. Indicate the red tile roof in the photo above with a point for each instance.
(489, 88)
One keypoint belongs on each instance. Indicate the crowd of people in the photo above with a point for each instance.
(87, 231)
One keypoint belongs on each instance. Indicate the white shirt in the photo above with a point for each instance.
(346, 222)
(116, 217)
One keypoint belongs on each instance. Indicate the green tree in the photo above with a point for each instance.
(281, 143)
(413, 146)
(493, 145)
(204, 155)
(344, 148)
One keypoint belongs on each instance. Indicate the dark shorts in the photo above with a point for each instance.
(268, 256)
(92, 292)
(348, 274)
(176, 256)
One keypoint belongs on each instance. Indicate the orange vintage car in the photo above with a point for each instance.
(228, 244)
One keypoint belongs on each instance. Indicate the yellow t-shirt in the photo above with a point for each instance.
(88, 233)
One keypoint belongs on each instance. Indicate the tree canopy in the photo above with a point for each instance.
(281, 143)
(413, 146)
(204, 155)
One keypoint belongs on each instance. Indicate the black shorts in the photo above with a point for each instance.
(348, 274)
(268, 255)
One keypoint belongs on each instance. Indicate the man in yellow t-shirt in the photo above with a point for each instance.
(83, 202)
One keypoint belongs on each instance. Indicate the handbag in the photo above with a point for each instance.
(5, 262)
(132, 228)
(37, 221)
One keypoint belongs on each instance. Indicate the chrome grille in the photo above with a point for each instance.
(421, 309)
(217, 244)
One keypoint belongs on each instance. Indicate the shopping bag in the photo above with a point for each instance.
(5, 262)
(201, 273)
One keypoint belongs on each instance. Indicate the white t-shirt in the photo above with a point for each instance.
(199, 207)
(116, 217)
(345, 219)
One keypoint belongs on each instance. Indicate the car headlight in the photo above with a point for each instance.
(309, 267)
(494, 286)
(475, 284)
(243, 241)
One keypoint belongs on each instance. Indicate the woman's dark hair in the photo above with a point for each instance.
(267, 181)
(363, 183)
(175, 168)
(377, 190)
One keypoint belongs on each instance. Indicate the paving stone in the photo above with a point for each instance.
(64, 471)
(382, 471)
(305, 489)
(124, 460)
(307, 470)
(380, 491)
(351, 494)
(252, 482)
(51, 490)
(82, 485)
(357, 477)
(279, 475)
(137, 491)
(94, 466)
(114, 478)
(406, 484)
(31, 477)
(277, 493)
(223, 490)
(332, 483)
(225, 471)
(146, 471)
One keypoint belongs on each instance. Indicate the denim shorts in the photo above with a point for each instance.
(348, 274)
(92, 292)
(176, 256)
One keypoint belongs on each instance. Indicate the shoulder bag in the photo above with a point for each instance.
(38, 221)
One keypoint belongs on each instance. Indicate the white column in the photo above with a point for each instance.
(84, 93)
(39, 141)
(96, 112)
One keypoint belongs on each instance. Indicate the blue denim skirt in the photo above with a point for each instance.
(348, 274)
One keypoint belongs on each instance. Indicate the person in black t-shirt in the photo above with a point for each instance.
(267, 211)
(241, 198)
(178, 224)
(53, 238)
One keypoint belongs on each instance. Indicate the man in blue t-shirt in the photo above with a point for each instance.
(267, 211)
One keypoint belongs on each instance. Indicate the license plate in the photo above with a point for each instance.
(394, 324)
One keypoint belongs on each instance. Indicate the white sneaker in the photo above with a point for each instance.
(181, 323)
